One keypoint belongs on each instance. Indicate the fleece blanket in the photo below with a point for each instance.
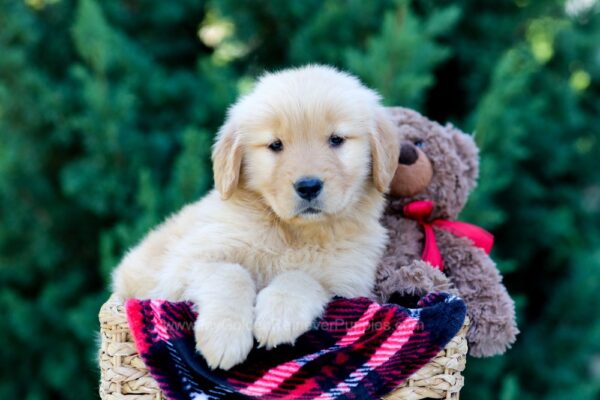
(358, 349)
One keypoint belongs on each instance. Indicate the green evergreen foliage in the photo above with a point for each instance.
(108, 109)
(402, 58)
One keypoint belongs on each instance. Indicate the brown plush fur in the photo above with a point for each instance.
(469, 271)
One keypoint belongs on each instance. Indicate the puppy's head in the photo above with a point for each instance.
(310, 141)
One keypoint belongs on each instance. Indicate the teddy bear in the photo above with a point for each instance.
(428, 249)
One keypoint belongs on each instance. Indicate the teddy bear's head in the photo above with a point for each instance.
(438, 163)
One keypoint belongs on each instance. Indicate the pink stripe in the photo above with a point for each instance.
(255, 391)
(272, 380)
(159, 326)
(398, 342)
(275, 376)
(290, 367)
(400, 336)
(279, 374)
(388, 352)
(268, 385)
(359, 328)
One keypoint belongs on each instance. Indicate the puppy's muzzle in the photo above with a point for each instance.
(308, 187)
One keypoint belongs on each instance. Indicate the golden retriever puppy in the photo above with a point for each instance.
(300, 167)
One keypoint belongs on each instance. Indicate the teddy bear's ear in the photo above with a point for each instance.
(468, 152)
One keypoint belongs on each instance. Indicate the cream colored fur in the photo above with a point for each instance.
(254, 264)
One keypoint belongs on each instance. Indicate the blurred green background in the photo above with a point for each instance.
(108, 109)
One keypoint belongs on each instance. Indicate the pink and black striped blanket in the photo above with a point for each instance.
(358, 349)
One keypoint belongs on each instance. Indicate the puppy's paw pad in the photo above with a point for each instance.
(223, 342)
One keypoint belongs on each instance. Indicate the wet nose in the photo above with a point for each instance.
(308, 187)
(408, 154)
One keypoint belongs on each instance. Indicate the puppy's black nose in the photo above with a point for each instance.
(408, 154)
(308, 187)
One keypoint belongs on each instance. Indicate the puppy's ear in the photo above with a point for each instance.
(385, 150)
(227, 159)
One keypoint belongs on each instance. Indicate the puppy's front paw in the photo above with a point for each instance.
(223, 341)
(281, 317)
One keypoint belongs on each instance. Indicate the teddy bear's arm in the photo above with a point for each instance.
(415, 279)
(396, 273)
(491, 310)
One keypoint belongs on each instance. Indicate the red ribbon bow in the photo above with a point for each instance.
(421, 210)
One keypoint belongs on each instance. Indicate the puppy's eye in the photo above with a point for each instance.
(276, 146)
(336, 140)
(419, 143)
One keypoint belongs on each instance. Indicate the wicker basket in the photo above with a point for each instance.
(125, 377)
